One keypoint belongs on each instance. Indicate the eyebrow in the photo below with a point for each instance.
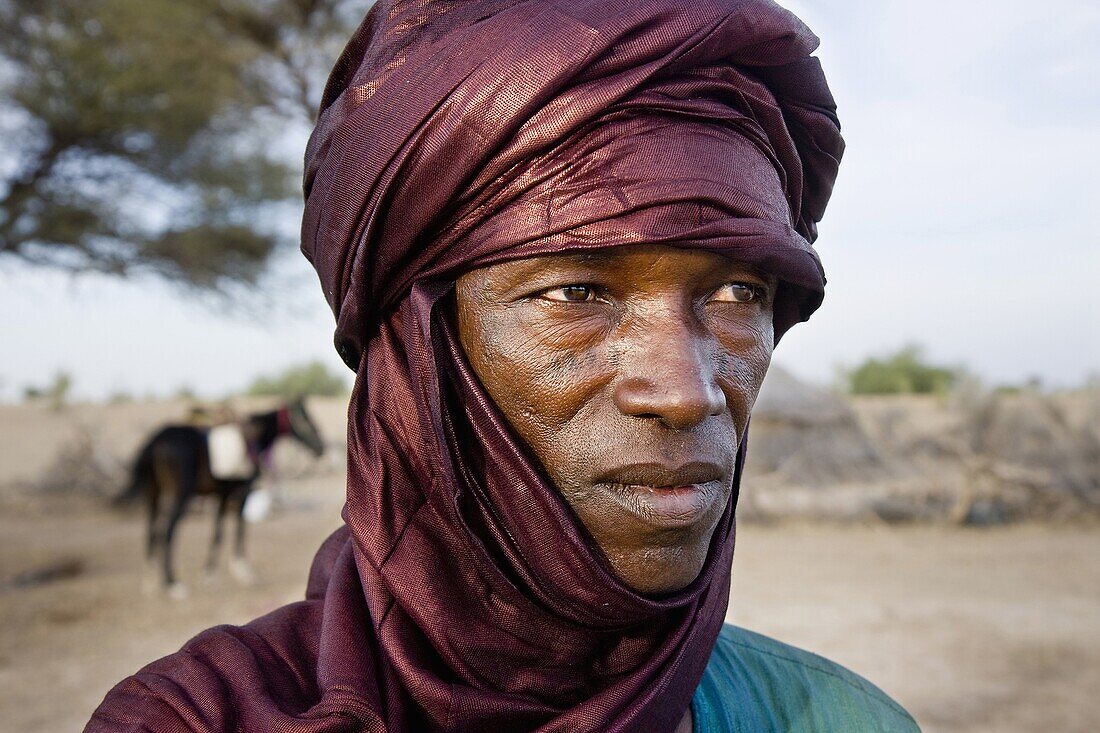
(592, 258)
(598, 257)
(602, 257)
(540, 263)
(530, 267)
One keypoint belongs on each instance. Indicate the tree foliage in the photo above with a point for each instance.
(141, 132)
(56, 393)
(904, 372)
(313, 378)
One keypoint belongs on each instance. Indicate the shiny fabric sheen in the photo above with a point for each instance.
(455, 134)
(463, 594)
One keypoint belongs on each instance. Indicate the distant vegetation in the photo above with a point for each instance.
(120, 397)
(905, 372)
(185, 392)
(313, 378)
(56, 392)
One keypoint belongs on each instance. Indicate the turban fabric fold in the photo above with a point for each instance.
(456, 134)
(463, 594)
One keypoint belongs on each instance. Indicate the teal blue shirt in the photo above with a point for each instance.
(754, 684)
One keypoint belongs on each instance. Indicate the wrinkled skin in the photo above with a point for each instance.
(628, 372)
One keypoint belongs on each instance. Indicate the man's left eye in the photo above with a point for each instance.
(737, 293)
(571, 294)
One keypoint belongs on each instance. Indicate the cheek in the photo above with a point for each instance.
(539, 371)
(746, 352)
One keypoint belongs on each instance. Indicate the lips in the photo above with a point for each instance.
(666, 497)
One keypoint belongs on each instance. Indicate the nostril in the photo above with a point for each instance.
(680, 403)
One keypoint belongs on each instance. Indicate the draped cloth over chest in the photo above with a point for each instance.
(463, 594)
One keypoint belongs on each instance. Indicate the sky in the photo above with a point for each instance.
(963, 220)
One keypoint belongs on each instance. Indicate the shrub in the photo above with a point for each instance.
(313, 378)
(82, 467)
(905, 372)
(57, 392)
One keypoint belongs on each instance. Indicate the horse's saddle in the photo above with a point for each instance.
(230, 459)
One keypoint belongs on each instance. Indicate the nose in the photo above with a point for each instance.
(667, 372)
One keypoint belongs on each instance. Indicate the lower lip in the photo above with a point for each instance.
(671, 507)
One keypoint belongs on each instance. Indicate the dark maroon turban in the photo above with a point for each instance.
(455, 134)
(463, 593)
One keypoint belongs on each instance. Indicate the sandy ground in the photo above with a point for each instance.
(971, 630)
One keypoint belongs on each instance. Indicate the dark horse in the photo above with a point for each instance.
(175, 465)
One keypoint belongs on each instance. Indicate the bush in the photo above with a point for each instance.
(57, 392)
(120, 397)
(82, 467)
(313, 378)
(905, 372)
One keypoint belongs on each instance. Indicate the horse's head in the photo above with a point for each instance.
(302, 427)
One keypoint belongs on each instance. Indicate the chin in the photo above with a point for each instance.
(660, 571)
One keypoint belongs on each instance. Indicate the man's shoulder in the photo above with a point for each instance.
(755, 683)
(198, 688)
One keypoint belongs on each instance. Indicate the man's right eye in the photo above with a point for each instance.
(571, 294)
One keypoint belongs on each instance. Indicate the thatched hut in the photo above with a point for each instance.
(807, 436)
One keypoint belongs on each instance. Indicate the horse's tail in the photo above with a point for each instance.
(141, 477)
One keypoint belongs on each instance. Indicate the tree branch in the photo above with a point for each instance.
(22, 189)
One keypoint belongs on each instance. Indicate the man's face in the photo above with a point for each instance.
(630, 374)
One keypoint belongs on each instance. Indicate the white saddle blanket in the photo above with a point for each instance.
(229, 459)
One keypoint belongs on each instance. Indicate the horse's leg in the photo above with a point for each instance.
(174, 589)
(152, 531)
(216, 540)
(239, 566)
(152, 498)
(185, 489)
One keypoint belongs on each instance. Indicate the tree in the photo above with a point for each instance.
(298, 42)
(313, 378)
(141, 130)
(57, 392)
(901, 373)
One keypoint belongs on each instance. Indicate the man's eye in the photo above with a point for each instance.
(737, 293)
(571, 294)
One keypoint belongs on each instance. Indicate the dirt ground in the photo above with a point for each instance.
(971, 630)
